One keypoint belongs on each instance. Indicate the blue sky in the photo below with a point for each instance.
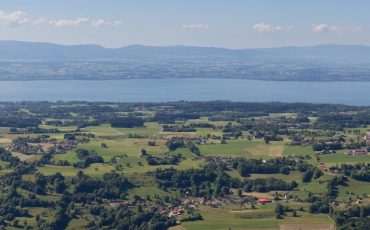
(219, 23)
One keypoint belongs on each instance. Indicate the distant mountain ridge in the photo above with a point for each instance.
(47, 61)
(37, 51)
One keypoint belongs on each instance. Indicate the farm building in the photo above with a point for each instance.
(264, 200)
(357, 152)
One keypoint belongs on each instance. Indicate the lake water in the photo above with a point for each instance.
(164, 90)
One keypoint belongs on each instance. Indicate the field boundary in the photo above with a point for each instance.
(307, 227)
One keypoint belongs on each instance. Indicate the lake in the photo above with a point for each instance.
(164, 90)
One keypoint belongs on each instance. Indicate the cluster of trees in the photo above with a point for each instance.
(193, 148)
(113, 185)
(338, 121)
(359, 172)
(280, 211)
(332, 192)
(201, 125)
(258, 107)
(169, 159)
(208, 181)
(212, 181)
(126, 122)
(19, 121)
(76, 121)
(9, 207)
(327, 146)
(180, 142)
(84, 188)
(322, 204)
(310, 172)
(268, 184)
(353, 218)
(175, 142)
(152, 143)
(61, 217)
(87, 158)
(178, 128)
(7, 156)
(124, 218)
(171, 118)
(14, 204)
(232, 131)
(41, 184)
(135, 135)
(274, 137)
(69, 136)
(248, 166)
(38, 139)
(35, 129)
(362, 175)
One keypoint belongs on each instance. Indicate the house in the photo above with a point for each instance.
(359, 202)
(367, 136)
(324, 151)
(264, 200)
(176, 212)
(357, 152)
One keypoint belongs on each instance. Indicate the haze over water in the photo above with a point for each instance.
(166, 90)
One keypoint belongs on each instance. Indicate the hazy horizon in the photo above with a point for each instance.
(184, 45)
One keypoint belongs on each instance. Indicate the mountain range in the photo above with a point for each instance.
(35, 51)
(35, 61)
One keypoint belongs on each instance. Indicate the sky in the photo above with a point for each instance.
(213, 23)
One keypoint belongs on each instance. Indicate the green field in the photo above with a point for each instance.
(260, 218)
(341, 158)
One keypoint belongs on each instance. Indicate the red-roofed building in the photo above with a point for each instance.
(264, 200)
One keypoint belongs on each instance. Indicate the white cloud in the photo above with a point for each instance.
(68, 22)
(263, 27)
(325, 28)
(39, 22)
(320, 28)
(104, 23)
(196, 26)
(81, 21)
(16, 18)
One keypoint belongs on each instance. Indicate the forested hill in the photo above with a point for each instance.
(29, 61)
